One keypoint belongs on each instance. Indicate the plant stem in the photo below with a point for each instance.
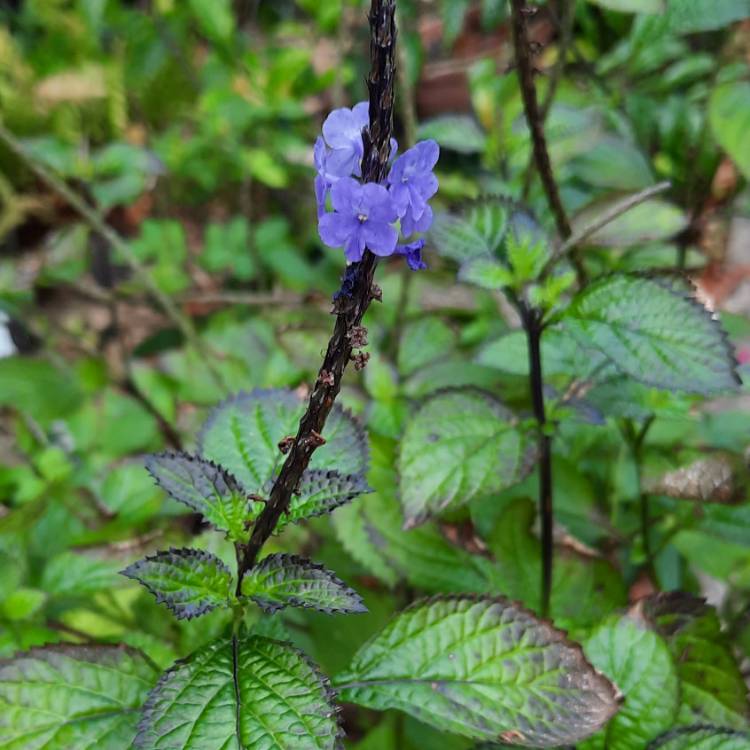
(355, 296)
(100, 226)
(525, 70)
(534, 327)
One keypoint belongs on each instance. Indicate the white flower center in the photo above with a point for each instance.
(362, 218)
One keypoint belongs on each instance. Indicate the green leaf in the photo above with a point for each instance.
(280, 581)
(372, 533)
(638, 661)
(253, 694)
(243, 434)
(460, 133)
(215, 18)
(65, 697)
(691, 16)
(650, 221)
(459, 444)
(633, 6)
(483, 668)
(712, 689)
(702, 738)
(424, 341)
(72, 574)
(614, 163)
(655, 331)
(729, 115)
(453, 13)
(207, 489)
(190, 582)
(479, 231)
(486, 273)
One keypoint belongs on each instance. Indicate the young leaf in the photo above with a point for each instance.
(64, 697)
(480, 231)
(254, 694)
(483, 668)
(712, 689)
(205, 488)
(243, 435)
(190, 582)
(280, 581)
(458, 445)
(638, 661)
(656, 332)
(702, 738)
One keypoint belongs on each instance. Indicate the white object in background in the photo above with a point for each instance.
(7, 347)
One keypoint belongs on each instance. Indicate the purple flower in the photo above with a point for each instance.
(413, 253)
(412, 183)
(363, 217)
(342, 131)
(322, 184)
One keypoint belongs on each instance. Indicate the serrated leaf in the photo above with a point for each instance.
(638, 661)
(483, 668)
(280, 581)
(729, 115)
(190, 582)
(243, 434)
(654, 331)
(712, 689)
(479, 231)
(702, 738)
(207, 489)
(459, 444)
(252, 694)
(65, 697)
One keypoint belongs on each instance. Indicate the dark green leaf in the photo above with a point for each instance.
(638, 661)
(656, 332)
(712, 689)
(321, 491)
(253, 694)
(207, 489)
(702, 738)
(280, 581)
(483, 668)
(460, 444)
(72, 697)
(189, 582)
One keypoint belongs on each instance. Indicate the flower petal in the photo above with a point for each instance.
(381, 238)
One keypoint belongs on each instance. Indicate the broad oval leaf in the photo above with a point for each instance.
(281, 580)
(207, 489)
(459, 133)
(702, 738)
(252, 694)
(458, 445)
(656, 332)
(479, 231)
(638, 661)
(729, 115)
(243, 433)
(190, 582)
(64, 697)
(483, 668)
(712, 688)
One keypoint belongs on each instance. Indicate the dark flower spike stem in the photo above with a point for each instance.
(351, 302)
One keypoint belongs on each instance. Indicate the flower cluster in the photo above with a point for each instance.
(370, 215)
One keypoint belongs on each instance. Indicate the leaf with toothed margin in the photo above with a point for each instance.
(64, 697)
(280, 581)
(712, 688)
(702, 738)
(479, 231)
(242, 435)
(460, 444)
(190, 582)
(207, 489)
(241, 694)
(638, 661)
(484, 668)
(654, 330)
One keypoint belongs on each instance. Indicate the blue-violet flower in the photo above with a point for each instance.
(412, 183)
(362, 217)
(413, 253)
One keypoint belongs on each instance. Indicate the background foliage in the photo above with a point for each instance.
(189, 125)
